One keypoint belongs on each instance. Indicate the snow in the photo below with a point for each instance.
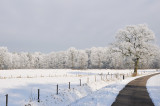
(22, 86)
(34, 73)
(105, 96)
(153, 87)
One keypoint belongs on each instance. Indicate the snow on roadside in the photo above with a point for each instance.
(67, 96)
(105, 96)
(153, 87)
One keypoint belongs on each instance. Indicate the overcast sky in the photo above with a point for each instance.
(56, 25)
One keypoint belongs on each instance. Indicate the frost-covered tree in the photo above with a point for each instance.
(16, 61)
(82, 59)
(116, 61)
(94, 58)
(71, 56)
(98, 57)
(154, 63)
(51, 60)
(135, 42)
(36, 60)
(24, 60)
(5, 58)
(61, 59)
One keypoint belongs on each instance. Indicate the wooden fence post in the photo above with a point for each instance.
(80, 82)
(69, 85)
(38, 95)
(57, 89)
(6, 99)
(123, 77)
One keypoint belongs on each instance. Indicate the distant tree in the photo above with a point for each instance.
(63, 59)
(36, 60)
(88, 52)
(24, 60)
(135, 42)
(96, 57)
(71, 55)
(82, 59)
(15, 61)
(116, 61)
(5, 58)
(51, 60)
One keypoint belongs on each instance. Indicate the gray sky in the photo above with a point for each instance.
(56, 25)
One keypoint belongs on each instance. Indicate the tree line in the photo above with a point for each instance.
(133, 48)
(94, 58)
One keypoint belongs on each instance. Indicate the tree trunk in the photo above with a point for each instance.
(136, 66)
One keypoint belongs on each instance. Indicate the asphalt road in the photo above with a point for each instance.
(135, 94)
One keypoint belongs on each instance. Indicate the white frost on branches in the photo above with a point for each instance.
(132, 42)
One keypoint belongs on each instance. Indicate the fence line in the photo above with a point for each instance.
(93, 78)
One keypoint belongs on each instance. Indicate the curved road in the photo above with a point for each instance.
(135, 93)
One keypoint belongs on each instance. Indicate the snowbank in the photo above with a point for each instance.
(105, 96)
(153, 87)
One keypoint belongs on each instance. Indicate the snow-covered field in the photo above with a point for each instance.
(29, 73)
(22, 86)
(153, 87)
